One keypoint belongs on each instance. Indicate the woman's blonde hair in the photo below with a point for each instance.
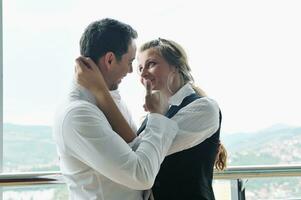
(176, 56)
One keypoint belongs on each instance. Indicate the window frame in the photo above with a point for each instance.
(1, 95)
(1, 88)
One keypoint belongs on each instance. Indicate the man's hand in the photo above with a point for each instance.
(89, 76)
(155, 101)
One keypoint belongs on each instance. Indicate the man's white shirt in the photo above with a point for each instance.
(95, 161)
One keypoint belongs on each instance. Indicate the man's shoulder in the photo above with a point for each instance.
(79, 113)
(80, 104)
(77, 107)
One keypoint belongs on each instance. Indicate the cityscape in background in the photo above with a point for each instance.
(279, 144)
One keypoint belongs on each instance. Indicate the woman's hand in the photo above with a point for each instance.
(155, 101)
(89, 76)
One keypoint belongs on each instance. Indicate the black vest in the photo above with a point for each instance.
(188, 174)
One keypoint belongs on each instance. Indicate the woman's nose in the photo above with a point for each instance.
(144, 72)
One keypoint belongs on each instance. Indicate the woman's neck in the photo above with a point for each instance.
(176, 85)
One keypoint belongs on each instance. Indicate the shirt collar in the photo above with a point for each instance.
(183, 92)
(80, 93)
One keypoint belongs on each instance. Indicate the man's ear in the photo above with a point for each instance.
(109, 58)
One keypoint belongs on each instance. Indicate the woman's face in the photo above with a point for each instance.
(152, 66)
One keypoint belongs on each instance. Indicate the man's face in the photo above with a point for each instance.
(122, 67)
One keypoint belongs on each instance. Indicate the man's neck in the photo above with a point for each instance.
(109, 83)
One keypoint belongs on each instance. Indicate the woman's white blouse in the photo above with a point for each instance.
(197, 121)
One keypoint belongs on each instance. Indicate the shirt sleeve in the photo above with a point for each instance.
(89, 137)
(127, 115)
(197, 121)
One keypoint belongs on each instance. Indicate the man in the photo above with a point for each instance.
(94, 160)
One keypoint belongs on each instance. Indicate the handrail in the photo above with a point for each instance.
(31, 178)
(259, 171)
(233, 172)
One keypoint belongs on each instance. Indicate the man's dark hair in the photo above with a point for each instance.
(106, 35)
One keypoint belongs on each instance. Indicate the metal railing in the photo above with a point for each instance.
(259, 171)
(237, 175)
(31, 178)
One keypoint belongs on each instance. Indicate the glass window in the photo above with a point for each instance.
(245, 55)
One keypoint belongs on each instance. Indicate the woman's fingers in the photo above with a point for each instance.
(91, 64)
(148, 87)
(88, 75)
(79, 65)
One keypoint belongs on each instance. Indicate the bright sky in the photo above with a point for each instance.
(244, 54)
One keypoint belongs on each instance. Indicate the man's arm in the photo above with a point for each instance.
(197, 121)
(88, 137)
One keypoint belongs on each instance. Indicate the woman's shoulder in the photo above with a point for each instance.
(204, 104)
(206, 101)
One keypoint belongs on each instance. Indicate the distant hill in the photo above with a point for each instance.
(279, 144)
(28, 148)
(31, 148)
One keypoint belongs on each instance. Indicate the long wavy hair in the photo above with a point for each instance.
(175, 55)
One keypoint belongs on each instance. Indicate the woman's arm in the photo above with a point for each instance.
(197, 121)
(89, 76)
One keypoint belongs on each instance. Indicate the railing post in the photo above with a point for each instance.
(238, 189)
(1, 87)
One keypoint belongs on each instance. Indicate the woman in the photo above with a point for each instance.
(187, 171)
